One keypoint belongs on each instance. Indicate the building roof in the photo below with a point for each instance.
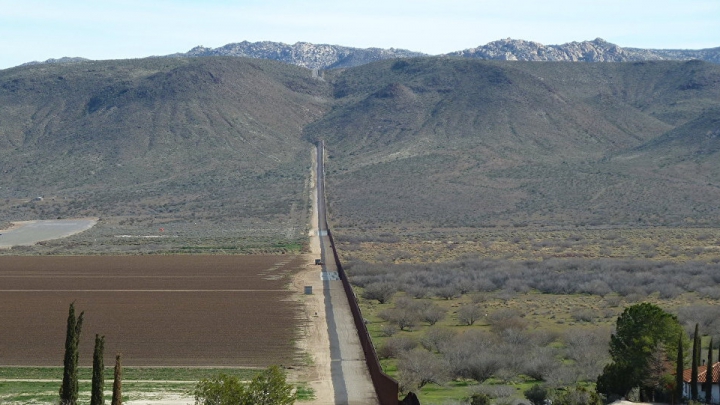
(702, 373)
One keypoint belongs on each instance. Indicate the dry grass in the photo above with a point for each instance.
(662, 244)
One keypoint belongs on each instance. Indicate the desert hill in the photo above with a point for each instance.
(207, 141)
(455, 142)
(203, 144)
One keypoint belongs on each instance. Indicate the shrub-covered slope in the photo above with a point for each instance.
(450, 142)
(207, 139)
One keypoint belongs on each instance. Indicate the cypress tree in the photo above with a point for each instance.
(709, 374)
(694, 369)
(98, 379)
(679, 370)
(69, 388)
(117, 384)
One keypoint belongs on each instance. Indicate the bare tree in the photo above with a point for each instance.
(469, 313)
(432, 314)
(437, 339)
(404, 318)
(382, 292)
(394, 347)
(418, 368)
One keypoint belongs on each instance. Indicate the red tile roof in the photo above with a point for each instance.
(702, 372)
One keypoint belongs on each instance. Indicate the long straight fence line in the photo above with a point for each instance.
(386, 387)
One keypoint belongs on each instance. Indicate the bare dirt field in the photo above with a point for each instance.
(155, 310)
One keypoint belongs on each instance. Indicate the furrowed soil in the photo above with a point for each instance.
(219, 311)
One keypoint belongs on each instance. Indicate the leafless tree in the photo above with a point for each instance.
(404, 318)
(395, 346)
(469, 313)
(382, 292)
(437, 339)
(418, 368)
(432, 314)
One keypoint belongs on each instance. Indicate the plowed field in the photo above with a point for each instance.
(155, 310)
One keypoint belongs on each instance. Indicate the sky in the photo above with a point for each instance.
(33, 30)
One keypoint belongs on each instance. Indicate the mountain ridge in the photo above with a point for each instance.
(324, 56)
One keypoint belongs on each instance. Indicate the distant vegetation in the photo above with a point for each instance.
(209, 149)
(449, 143)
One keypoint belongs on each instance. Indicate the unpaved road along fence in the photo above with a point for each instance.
(386, 387)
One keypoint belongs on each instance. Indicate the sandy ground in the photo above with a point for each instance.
(26, 233)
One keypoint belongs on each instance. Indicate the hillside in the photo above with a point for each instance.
(210, 145)
(458, 143)
(216, 150)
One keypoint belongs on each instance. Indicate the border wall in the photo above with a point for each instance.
(386, 387)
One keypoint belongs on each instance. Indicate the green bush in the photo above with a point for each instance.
(267, 388)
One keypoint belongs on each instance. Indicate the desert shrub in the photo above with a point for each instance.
(382, 292)
(394, 347)
(437, 339)
(432, 314)
(539, 363)
(479, 399)
(536, 394)
(576, 396)
(418, 368)
(584, 314)
(469, 313)
(404, 318)
(475, 355)
(504, 319)
(388, 330)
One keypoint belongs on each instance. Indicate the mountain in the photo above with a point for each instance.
(304, 54)
(597, 50)
(214, 142)
(322, 56)
(218, 148)
(465, 143)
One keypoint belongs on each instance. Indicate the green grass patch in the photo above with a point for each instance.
(305, 393)
(138, 382)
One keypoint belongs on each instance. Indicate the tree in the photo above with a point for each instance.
(577, 396)
(694, 366)
(69, 388)
(117, 383)
(432, 314)
(418, 368)
(98, 379)
(536, 394)
(382, 292)
(404, 318)
(709, 374)
(270, 388)
(640, 330)
(220, 390)
(267, 388)
(468, 314)
(679, 370)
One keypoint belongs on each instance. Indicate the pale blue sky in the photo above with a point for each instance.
(115, 29)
